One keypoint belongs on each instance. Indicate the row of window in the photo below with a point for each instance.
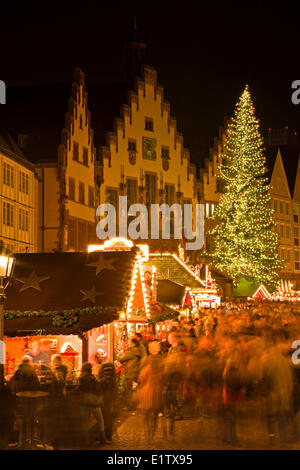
(284, 208)
(8, 217)
(85, 154)
(80, 234)
(8, 178)
(284, 232)
(150, 192)
(286, 256)
(81, 193)
(165, 151)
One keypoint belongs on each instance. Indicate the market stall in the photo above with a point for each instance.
(66, 303)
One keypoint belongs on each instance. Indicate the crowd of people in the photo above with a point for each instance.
(226, 363)
(76, 416)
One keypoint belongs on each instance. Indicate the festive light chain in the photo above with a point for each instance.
(244, 242)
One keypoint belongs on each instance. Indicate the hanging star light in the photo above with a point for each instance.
(32, 281)
(103, 263)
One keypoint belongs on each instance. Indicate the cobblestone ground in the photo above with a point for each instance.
(195, 433)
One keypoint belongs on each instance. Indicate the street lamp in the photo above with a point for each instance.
(7, 263)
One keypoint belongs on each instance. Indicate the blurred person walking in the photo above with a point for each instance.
(89, 389)
(132, 362)
(108, 389)
(175, 371)
(150, 388)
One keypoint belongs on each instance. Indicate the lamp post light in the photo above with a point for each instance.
(7, 263)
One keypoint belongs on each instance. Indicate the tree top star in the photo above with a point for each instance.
(32, 281)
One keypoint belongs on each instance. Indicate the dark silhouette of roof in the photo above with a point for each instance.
(39, 112)
(290, 156)
(9, 147)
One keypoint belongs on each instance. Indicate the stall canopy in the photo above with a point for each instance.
(247, 288)
(65, 293)
(170, 266)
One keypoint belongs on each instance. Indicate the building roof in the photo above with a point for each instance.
(44, 325)
(9, 148)
(68, 290)
(169, 266)
(290, 156)
(39, 112)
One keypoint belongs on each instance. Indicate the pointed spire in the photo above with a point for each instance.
(136, 47)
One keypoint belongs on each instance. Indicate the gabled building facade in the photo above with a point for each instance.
(285, 195)
(66, 190)
(145, 158)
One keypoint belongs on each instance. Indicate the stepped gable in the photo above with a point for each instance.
(77, 100)
(149, 75)
(39, 112)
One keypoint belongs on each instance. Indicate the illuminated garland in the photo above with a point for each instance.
(243, 242)
(62, 318)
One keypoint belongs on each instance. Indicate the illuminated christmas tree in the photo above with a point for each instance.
(243, 242)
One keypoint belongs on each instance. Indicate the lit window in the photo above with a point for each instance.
(207, 209)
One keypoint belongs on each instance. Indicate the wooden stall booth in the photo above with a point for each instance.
(66, 303)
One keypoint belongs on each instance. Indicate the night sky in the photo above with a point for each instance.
(204, 57)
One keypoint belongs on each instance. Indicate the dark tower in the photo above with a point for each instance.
(136, 51)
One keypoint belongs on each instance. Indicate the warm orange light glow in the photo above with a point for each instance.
(145, 252)
(117, 243)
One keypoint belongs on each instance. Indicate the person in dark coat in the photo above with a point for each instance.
(89, 389)
(60, 371)
(107, 380)
(24, 379)
(132, 362)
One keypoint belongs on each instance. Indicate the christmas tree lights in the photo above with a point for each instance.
(242, 241)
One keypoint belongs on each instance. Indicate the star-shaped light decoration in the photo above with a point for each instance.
(32, 281)
(103, 263)
(90, 294)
